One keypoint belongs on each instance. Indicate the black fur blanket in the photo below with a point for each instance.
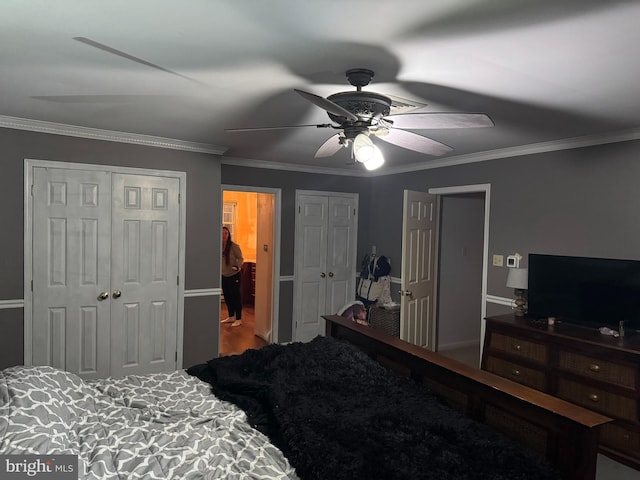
(337, 414)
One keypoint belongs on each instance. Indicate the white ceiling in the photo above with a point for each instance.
(543, 70)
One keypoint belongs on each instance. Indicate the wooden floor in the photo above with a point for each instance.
(235, 340)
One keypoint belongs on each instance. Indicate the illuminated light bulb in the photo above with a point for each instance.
(363, 148)
(376, 160)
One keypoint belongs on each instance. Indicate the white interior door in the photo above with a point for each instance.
(417, 324)
(326, 230)
(311, 257)
(105, 266)
(264, 266)
(341, 253)
(71, 268)
(144, 286)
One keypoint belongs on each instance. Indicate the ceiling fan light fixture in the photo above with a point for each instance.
(363, 148)
(376, 161)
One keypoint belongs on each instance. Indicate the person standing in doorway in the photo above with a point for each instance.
(231, 274)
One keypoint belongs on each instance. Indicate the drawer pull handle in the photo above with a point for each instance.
(515, 372)
(594, 367)
(626, 436)
(517, 347)
(593, 397)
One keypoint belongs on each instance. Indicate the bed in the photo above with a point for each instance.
(319, 410)
(563, 433)
(157, 426)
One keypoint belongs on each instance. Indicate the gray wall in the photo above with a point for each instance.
(202, 231)
(578, 202)
(582, 202)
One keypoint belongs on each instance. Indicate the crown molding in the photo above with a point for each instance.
(175, 144)
(248, 162)
(521, 150)
(107, 135)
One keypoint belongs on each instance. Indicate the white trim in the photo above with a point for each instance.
(40, 126)
(277, 222)
(431, 163)
(250, 163)
(530, 149)
(507, 302)
(6, 304)
(203, 292)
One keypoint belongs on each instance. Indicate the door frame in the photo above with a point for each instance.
(275, 274)
(29, 165)
(462, 189)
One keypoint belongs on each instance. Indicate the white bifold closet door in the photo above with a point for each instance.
(325, 254)
(105, 271)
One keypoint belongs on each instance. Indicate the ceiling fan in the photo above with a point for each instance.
(361, 115)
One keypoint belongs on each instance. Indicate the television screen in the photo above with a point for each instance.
(591, 291)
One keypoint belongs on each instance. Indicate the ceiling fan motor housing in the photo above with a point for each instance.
(365, 105)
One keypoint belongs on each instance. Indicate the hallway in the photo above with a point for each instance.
(235, 340)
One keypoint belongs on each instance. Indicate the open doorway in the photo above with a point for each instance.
(463, 269)
(459, 309)
(252, 215)
(454, 317)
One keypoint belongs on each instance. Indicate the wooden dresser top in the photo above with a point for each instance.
(630, 343)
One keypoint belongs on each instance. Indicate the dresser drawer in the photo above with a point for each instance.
(524, 375)
(613, 373)
(621, 438)
(535, 352)
(612, 404)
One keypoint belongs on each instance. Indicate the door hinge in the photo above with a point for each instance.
(178, 280)
(32, 285)
(176, 357)
(299, 209)
(31, 189)
(179, 198)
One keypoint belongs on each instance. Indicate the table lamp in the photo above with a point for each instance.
(518, 279)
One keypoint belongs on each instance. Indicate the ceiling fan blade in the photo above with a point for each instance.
(426, 121)
(281, 127)
(415, 142)
(120, 53)
(327, 105)
(330, 147)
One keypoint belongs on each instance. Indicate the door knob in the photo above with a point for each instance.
(323, 274)
(103, 296)
(331, 274)
(116, 294)
(405, 292)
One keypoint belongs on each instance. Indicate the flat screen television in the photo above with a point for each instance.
(594, 292)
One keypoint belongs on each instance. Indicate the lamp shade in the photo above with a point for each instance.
(518, 278)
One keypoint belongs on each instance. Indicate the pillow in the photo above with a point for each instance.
(355, 311)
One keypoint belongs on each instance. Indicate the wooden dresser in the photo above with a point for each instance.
(577, 364)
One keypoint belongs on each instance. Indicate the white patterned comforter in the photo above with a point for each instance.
(157, 426)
